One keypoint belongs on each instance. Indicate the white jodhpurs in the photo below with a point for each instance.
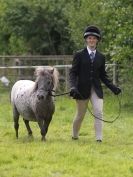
(97, 105)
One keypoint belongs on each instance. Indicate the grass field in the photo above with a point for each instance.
(60, 156)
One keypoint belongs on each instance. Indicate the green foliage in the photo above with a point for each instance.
(118, 30)
(56, 27)
(115, 20)
(17, 45)
(81, 15)
(40, 25)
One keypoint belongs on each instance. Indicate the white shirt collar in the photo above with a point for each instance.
(89, 50)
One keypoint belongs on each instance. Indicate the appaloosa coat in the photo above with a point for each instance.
(33, 101)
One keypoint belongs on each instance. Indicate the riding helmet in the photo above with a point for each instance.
(92, 31)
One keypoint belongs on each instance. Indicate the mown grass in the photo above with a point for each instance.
(59, 156)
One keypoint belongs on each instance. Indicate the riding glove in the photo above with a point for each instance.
(74, 92)
(117, 90)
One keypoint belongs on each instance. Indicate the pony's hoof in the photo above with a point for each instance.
(43, 139)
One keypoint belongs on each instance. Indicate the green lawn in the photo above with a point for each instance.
(60, 156)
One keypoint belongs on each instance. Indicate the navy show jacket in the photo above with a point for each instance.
(84, 74)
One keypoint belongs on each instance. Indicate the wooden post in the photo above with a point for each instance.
(114, 73)
(4, 64)
(66, 75)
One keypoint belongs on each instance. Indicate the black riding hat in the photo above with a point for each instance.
(92, 31)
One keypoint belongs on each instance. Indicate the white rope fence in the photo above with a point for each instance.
(65, 77)
(56, 66)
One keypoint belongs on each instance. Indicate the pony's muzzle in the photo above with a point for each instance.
(40, 97)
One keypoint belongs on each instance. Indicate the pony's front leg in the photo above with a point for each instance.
(43, 129)
(44, 124)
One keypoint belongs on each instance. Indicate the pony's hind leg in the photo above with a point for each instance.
(28, 127)
(16, 119)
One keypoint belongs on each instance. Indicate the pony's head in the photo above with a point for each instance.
(46, 81)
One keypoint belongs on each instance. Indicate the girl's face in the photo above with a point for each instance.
(92, 42)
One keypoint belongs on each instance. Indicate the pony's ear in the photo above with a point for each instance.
(40, 71)
(51, 71)
(35, 73)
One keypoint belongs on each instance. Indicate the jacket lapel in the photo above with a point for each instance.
(86, 55)
(97, 59)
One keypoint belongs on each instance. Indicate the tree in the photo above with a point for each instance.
(39, 25)
(56, 27)
(118, 32)
(115, 20)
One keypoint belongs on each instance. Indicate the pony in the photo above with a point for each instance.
(34, 101)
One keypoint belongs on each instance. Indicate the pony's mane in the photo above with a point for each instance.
(40, 71)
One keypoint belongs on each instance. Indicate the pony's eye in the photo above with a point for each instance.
(48, 82)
